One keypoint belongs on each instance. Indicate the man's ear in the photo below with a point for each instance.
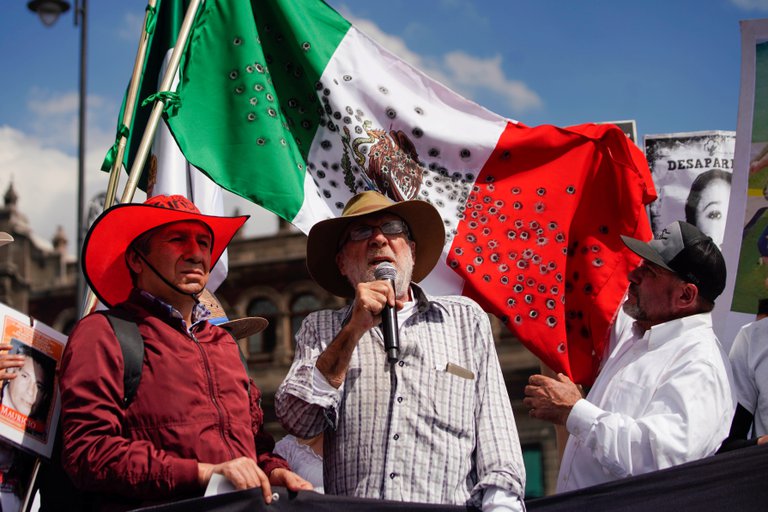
(133, 261)
(412, 245)
(688, 295)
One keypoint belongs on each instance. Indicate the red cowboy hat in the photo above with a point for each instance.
(114, 230)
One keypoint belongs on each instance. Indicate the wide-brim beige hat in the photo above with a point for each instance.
(242, 328)
(424, 223)
(5, 238)
(239, 328)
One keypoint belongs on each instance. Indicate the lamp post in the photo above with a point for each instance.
(49, 11)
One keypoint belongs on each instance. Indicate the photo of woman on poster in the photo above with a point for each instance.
(707, 204)
(30, 391)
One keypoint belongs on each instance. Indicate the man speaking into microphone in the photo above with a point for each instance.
(422, 415)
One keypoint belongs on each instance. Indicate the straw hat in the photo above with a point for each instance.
(424, 223)
(239, 328)
(5, 238)
(114, 230)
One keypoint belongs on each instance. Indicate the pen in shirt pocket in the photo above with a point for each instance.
(459, 371)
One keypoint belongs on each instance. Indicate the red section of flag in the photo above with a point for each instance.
(538, 244)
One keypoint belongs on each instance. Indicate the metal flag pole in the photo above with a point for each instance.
(89, 300)
(157, 109)
(154, 118)
(130, 104)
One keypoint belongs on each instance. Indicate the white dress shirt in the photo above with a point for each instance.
(662, 398)
(749, 361)
(302, 459)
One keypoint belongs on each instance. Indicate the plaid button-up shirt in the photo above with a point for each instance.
(411, 431)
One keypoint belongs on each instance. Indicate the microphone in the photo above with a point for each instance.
(386, 270)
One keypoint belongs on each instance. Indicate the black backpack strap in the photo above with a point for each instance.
(132, 346)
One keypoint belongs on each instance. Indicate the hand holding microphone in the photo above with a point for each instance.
(387, 271)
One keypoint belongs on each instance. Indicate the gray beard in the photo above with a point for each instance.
(402, 280)
(634, 310)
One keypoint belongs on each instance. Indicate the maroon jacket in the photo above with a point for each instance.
(192, 404)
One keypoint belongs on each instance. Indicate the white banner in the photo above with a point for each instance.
(744, 247)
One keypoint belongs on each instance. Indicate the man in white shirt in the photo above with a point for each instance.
(662, 396)
(749, 363)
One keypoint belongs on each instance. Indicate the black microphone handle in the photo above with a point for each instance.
(389, 328)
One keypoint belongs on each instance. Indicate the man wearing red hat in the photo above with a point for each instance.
(195, 411)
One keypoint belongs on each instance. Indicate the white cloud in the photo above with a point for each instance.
(131, 27)
(54, 122)
(42, 103)
(464, 73)
(475, 73)
(45, 179)
(751, 5)
(41, 155)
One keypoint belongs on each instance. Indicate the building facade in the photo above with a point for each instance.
(268, 278)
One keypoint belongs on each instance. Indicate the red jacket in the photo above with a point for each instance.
(192, 404)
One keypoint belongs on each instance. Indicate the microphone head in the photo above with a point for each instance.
(385, 270)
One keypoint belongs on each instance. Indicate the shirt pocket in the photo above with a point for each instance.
(628, 397)
(453, 402)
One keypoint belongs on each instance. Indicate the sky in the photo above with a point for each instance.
(672, 66)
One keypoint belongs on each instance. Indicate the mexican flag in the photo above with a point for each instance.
(287, 104)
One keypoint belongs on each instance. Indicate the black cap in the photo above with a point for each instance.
(689, 253)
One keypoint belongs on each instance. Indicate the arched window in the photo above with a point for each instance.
(301, 306)
(260, 346)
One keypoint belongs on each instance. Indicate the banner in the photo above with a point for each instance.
(731, 481)
(745, 248)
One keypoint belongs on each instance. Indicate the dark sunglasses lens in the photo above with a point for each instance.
(361, 233)
(394, 227)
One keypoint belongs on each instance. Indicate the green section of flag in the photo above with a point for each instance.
(248, 105)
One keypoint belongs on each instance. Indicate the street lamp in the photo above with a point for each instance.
(49, 11)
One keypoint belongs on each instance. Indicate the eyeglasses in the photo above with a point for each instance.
(389, 228)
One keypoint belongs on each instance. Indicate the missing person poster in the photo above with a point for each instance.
(745, 247)
(692, 173)
(29, 402)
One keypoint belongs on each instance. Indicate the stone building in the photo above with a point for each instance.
(267, 277)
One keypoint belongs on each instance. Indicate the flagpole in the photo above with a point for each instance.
(154, 119)
(157, 109)
(130, 103)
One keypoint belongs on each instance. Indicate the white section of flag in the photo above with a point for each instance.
(363, 75)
